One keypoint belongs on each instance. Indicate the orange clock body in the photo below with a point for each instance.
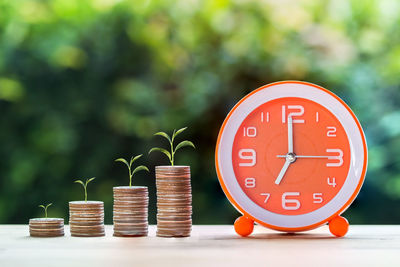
(329, 158)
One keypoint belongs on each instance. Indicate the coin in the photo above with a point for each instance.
(46, 227)
(130, 211)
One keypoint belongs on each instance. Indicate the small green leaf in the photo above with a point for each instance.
(183, 144)
(178, 132)
(140, 168)
(161, 150)
(89, 180)
(173, 135)
(41, 206)
(133, 159)
(164, 135)
(123, 161)
(48, 205)
(79, 182)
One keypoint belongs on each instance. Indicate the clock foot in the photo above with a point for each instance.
(339, 226)
(244, 226)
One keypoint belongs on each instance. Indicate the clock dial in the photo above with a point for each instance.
(291, 156)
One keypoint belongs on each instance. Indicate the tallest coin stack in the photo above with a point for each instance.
(174, 201)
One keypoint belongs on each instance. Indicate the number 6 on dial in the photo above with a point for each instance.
(286, 201)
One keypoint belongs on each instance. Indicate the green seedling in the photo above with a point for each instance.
(171, 154)
(45, 209)
(84, 184)
(129, 165)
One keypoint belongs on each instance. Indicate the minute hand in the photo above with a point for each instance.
(290, 134)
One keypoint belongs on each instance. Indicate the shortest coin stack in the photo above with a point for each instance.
(130, 211)
(46, 227)
(86, 218)
(174, 201)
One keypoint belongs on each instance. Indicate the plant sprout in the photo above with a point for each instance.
(84, 184)
(129, 165)
(171, 154)
(45, 209)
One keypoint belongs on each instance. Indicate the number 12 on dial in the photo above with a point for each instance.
(283, 158)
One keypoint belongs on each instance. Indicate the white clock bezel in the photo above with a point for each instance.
(276, 91)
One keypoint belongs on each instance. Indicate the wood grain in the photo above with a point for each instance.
(208, 246)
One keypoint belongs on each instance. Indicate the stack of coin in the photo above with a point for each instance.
(174, 201)
(86, 218)
(46, 227)
(130, 211)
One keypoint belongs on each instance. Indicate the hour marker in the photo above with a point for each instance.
(317, 117)
(331, 181)
(262, 116)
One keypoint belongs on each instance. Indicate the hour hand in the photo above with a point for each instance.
(283, 171)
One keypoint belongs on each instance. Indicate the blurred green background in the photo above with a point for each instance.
(85, 82)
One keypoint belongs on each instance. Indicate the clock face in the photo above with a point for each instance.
(261, 144)
(291, 155)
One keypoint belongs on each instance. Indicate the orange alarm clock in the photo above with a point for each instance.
(291, 156)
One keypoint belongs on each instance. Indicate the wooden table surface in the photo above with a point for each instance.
(209, 245)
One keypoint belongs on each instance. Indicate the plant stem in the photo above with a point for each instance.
(45, 212)
(130, 173)
(85, 193)
(172, 152)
